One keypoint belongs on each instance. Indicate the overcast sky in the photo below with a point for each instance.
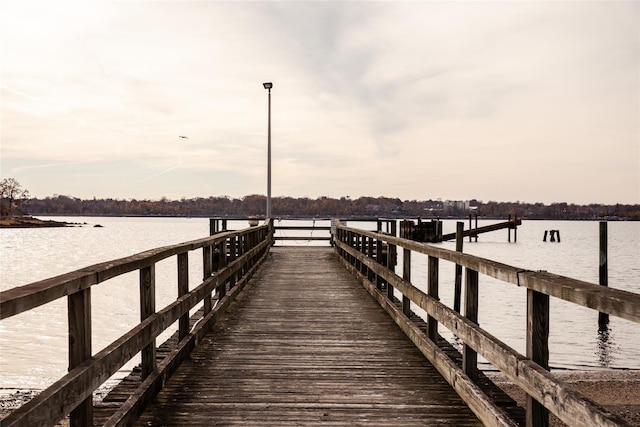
(534, 101)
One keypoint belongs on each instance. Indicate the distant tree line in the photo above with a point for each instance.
(254, 205)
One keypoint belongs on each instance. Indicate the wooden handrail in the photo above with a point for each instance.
(615, 302)
(23, 298)
(73, 392)
(566, 403)
(312, 228)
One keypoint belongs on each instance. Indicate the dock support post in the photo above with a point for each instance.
(432, 291)
(183, 289)
(469, 356)
(370, 254)
(509, 231)
(476, 227)
(379, 281)
(148, 308)
(217, 225)
(458, 278)
(537, 350)
(206, 274)
(406, 275)
(603, 318)
(233, 254)
(391, 258)
(79, 318)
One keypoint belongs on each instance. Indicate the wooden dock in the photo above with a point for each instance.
(306, 345)
(309, 335)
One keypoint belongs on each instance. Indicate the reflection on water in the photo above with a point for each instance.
(606, 346)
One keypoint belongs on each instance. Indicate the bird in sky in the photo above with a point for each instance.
(182, 136)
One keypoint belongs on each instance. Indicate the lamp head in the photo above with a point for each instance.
(267, 85)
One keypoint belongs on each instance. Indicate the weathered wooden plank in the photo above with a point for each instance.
(478, 401)
(305, 345)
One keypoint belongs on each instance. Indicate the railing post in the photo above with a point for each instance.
(363, 251)
(432, 291)
(469, 356)
(358, 247)
(206, 273)
(233, 247)
(183, 288)
(370, 249)
(379, 281)
(217, 226)
(406, 275)
(537, 350)
(458, 279)
(148, 308)
(391, 249)
(79, 318)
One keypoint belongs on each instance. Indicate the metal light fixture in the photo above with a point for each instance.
(268, 86)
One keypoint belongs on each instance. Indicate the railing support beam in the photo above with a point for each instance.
(183, 289)
(469, 356)
(537, 350)
(148, 308)
(432, 291)
(79, 316)
(406, 275)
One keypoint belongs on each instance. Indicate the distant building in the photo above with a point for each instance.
(455, 205)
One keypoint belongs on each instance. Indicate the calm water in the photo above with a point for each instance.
(33, 345)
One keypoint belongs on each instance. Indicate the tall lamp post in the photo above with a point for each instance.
(268, 86)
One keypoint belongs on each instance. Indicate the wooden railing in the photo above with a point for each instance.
(305, 233)
(229, 260)
(290, 233)
(370, 256)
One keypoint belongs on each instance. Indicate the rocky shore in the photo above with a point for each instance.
(618, 391)
(30, 222)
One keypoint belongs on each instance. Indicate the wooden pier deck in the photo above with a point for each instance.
(306, 345)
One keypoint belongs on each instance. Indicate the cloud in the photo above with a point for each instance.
(492, 100)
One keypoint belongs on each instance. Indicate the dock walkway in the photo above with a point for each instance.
(306, 345)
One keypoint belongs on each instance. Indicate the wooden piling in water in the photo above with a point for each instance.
(603, 318)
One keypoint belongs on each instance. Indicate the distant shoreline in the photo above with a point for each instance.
(30, 222)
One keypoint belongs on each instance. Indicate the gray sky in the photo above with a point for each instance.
(534, 101)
